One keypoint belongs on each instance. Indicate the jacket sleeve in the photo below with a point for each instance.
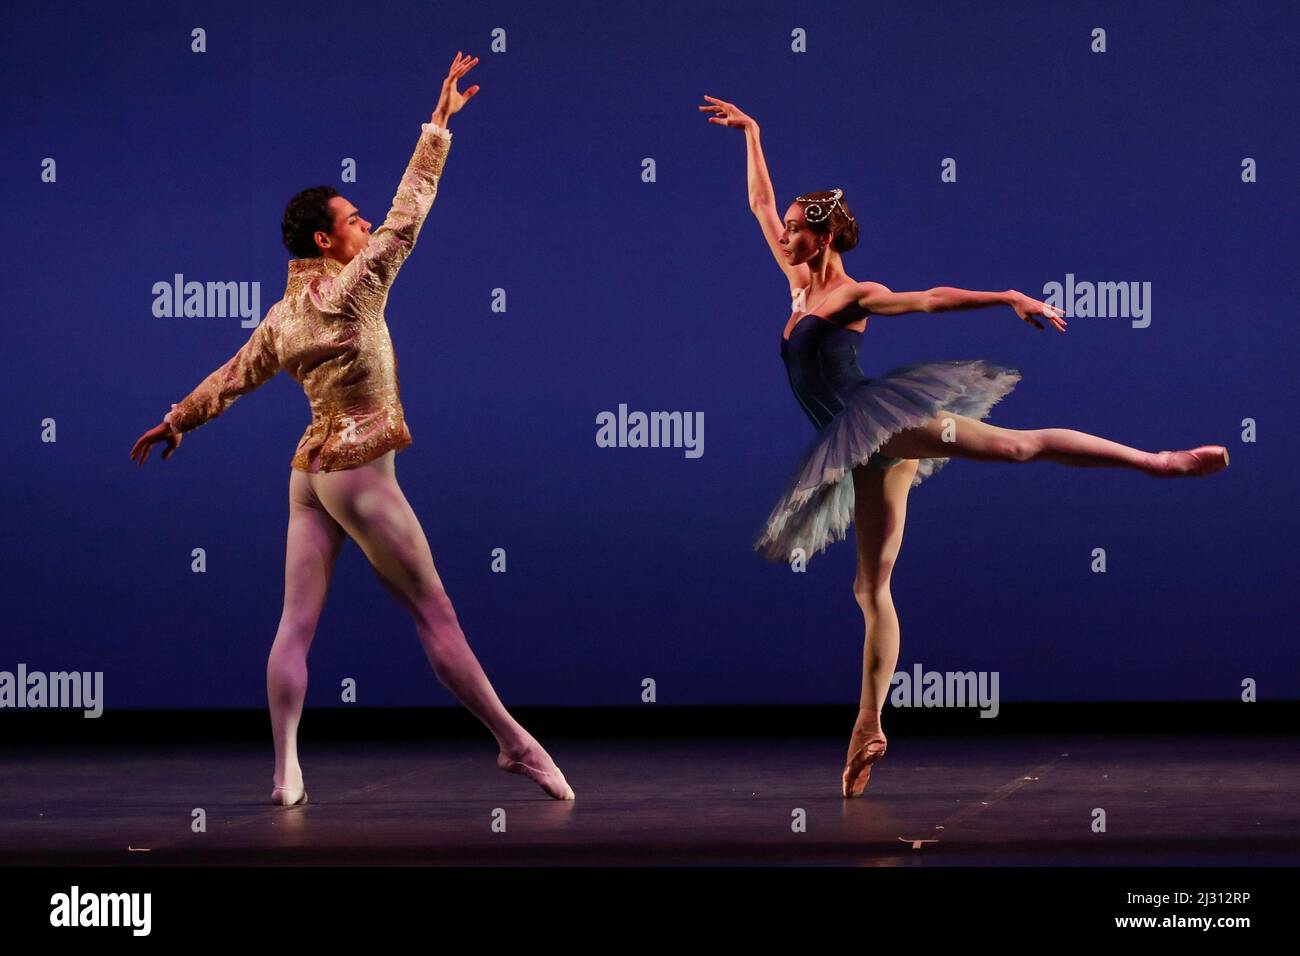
(257, 362)
(364, 282)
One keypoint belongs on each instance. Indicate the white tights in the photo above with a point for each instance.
(367, 505)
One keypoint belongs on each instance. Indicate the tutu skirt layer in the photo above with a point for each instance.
(817, 506)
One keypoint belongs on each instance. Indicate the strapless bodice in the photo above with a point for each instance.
(821, 361)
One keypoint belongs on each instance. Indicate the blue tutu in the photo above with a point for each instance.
(855, 415)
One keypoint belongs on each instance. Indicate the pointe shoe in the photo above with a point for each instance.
(857, 772)
(1205, 460)
(552, 782)
(284, 801)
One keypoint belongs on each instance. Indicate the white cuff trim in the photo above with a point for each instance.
(436, 130)
(171, 426)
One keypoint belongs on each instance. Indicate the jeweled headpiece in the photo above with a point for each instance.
(818, 210)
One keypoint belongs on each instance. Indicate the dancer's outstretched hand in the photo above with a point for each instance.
(728, 114)
(1027, 308)
(450, 100)
(159, 433)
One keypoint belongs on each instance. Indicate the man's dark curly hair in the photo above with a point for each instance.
(305, 214)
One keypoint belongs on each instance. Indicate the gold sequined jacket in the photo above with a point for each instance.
(329, 333)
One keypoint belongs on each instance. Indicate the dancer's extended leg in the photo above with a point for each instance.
(368, 502)
(311, 549)
(947, 435)
(880, 511)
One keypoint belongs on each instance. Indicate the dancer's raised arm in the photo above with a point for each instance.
(881, 300)
(365, 280)
(762, 197)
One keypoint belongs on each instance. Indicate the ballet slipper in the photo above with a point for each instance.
(1205, 460)
(857, 771)
(552, 781)
(283, 801)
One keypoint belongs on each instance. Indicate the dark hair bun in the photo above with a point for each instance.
(846, 237)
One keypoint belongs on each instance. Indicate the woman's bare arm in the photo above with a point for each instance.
(762, 197)
(881, 300)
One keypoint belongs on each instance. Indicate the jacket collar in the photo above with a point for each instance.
(314, 266)
(303, 271)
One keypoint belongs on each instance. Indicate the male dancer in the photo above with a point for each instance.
(329, 332)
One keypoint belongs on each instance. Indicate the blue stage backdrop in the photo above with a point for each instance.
(587, 193)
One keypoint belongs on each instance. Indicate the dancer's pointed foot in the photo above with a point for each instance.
(1196, 462)
(532, 761)
(857, 772)
(289, 796)
(866, 748)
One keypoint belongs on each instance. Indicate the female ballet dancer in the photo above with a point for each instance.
(878, 438)
(329, 332)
